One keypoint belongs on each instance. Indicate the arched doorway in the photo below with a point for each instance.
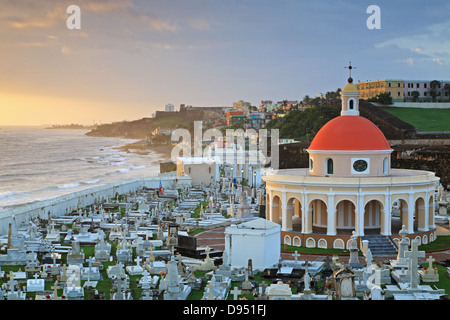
(345, 217)
(294, 214)
(319, 215)
(420, 221)
(399, 215)
(373, 216)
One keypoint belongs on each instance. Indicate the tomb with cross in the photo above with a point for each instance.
(136, 269)
(429, 274)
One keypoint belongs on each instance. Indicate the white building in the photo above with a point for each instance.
(259, 240)
(202, 170)
(170, 107)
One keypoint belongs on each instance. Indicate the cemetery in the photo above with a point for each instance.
(143, 245)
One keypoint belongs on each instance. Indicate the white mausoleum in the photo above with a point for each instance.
(258, 239)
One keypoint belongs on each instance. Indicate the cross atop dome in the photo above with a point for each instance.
(350, 96)
(350, 79)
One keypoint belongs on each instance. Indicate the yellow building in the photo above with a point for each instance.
(370, 89)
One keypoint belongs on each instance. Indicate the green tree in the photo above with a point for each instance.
(415, 95)
(297, 124)
(383, 98)
(434, 89)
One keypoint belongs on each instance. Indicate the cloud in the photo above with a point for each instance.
(199, 24)
(409, 61)
(438, 61)
(433, 44)
(108, 6)
(47, 19)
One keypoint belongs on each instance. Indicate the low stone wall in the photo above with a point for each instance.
(65, 204)
(422, 105)
(323, 241)
(431, 142)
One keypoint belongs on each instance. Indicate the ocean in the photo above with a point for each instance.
(38, 163)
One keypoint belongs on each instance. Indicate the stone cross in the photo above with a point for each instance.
(235, 292)
(296, 255)
(64, 275)
(12, 282)
(36, 276)
(89, 276)
(138, 260)
(307, 278)
(211, 286)
(430, 262)
(55, 288)
(413, 255)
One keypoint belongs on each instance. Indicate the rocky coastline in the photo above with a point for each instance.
(144, 147)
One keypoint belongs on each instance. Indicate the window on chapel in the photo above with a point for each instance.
(329, 166)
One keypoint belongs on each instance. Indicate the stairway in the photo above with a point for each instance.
(380, 245)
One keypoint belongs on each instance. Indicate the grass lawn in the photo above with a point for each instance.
(441, 242)
(316, 250)
(424, 120)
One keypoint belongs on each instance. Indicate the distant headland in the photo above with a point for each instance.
(71, 126)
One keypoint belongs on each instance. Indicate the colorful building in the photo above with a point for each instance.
(393, 87)
(233, 114)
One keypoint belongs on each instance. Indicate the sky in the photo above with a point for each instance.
(130, 58)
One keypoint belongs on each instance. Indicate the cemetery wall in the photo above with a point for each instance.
(65, 204)
(422, 105)
(342, 241)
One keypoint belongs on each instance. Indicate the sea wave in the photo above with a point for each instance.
(36, 162)
(69, 186)
(7, 194)
(93, 181)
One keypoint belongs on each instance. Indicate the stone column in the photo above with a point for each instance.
(387, 208)
(283, 211)
(331, 216)
(427, 212)
(289, 216)
(269, 206)
(307, 226)
(359, 225)
(411, 209)
(304, 211)
(422, 216)
(431, 224)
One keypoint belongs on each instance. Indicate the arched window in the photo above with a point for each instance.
(351, 104)
(311, 163)
(329, 166)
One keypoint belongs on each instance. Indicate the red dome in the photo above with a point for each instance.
(349, 133)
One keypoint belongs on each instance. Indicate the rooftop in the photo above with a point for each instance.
(398, 177)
